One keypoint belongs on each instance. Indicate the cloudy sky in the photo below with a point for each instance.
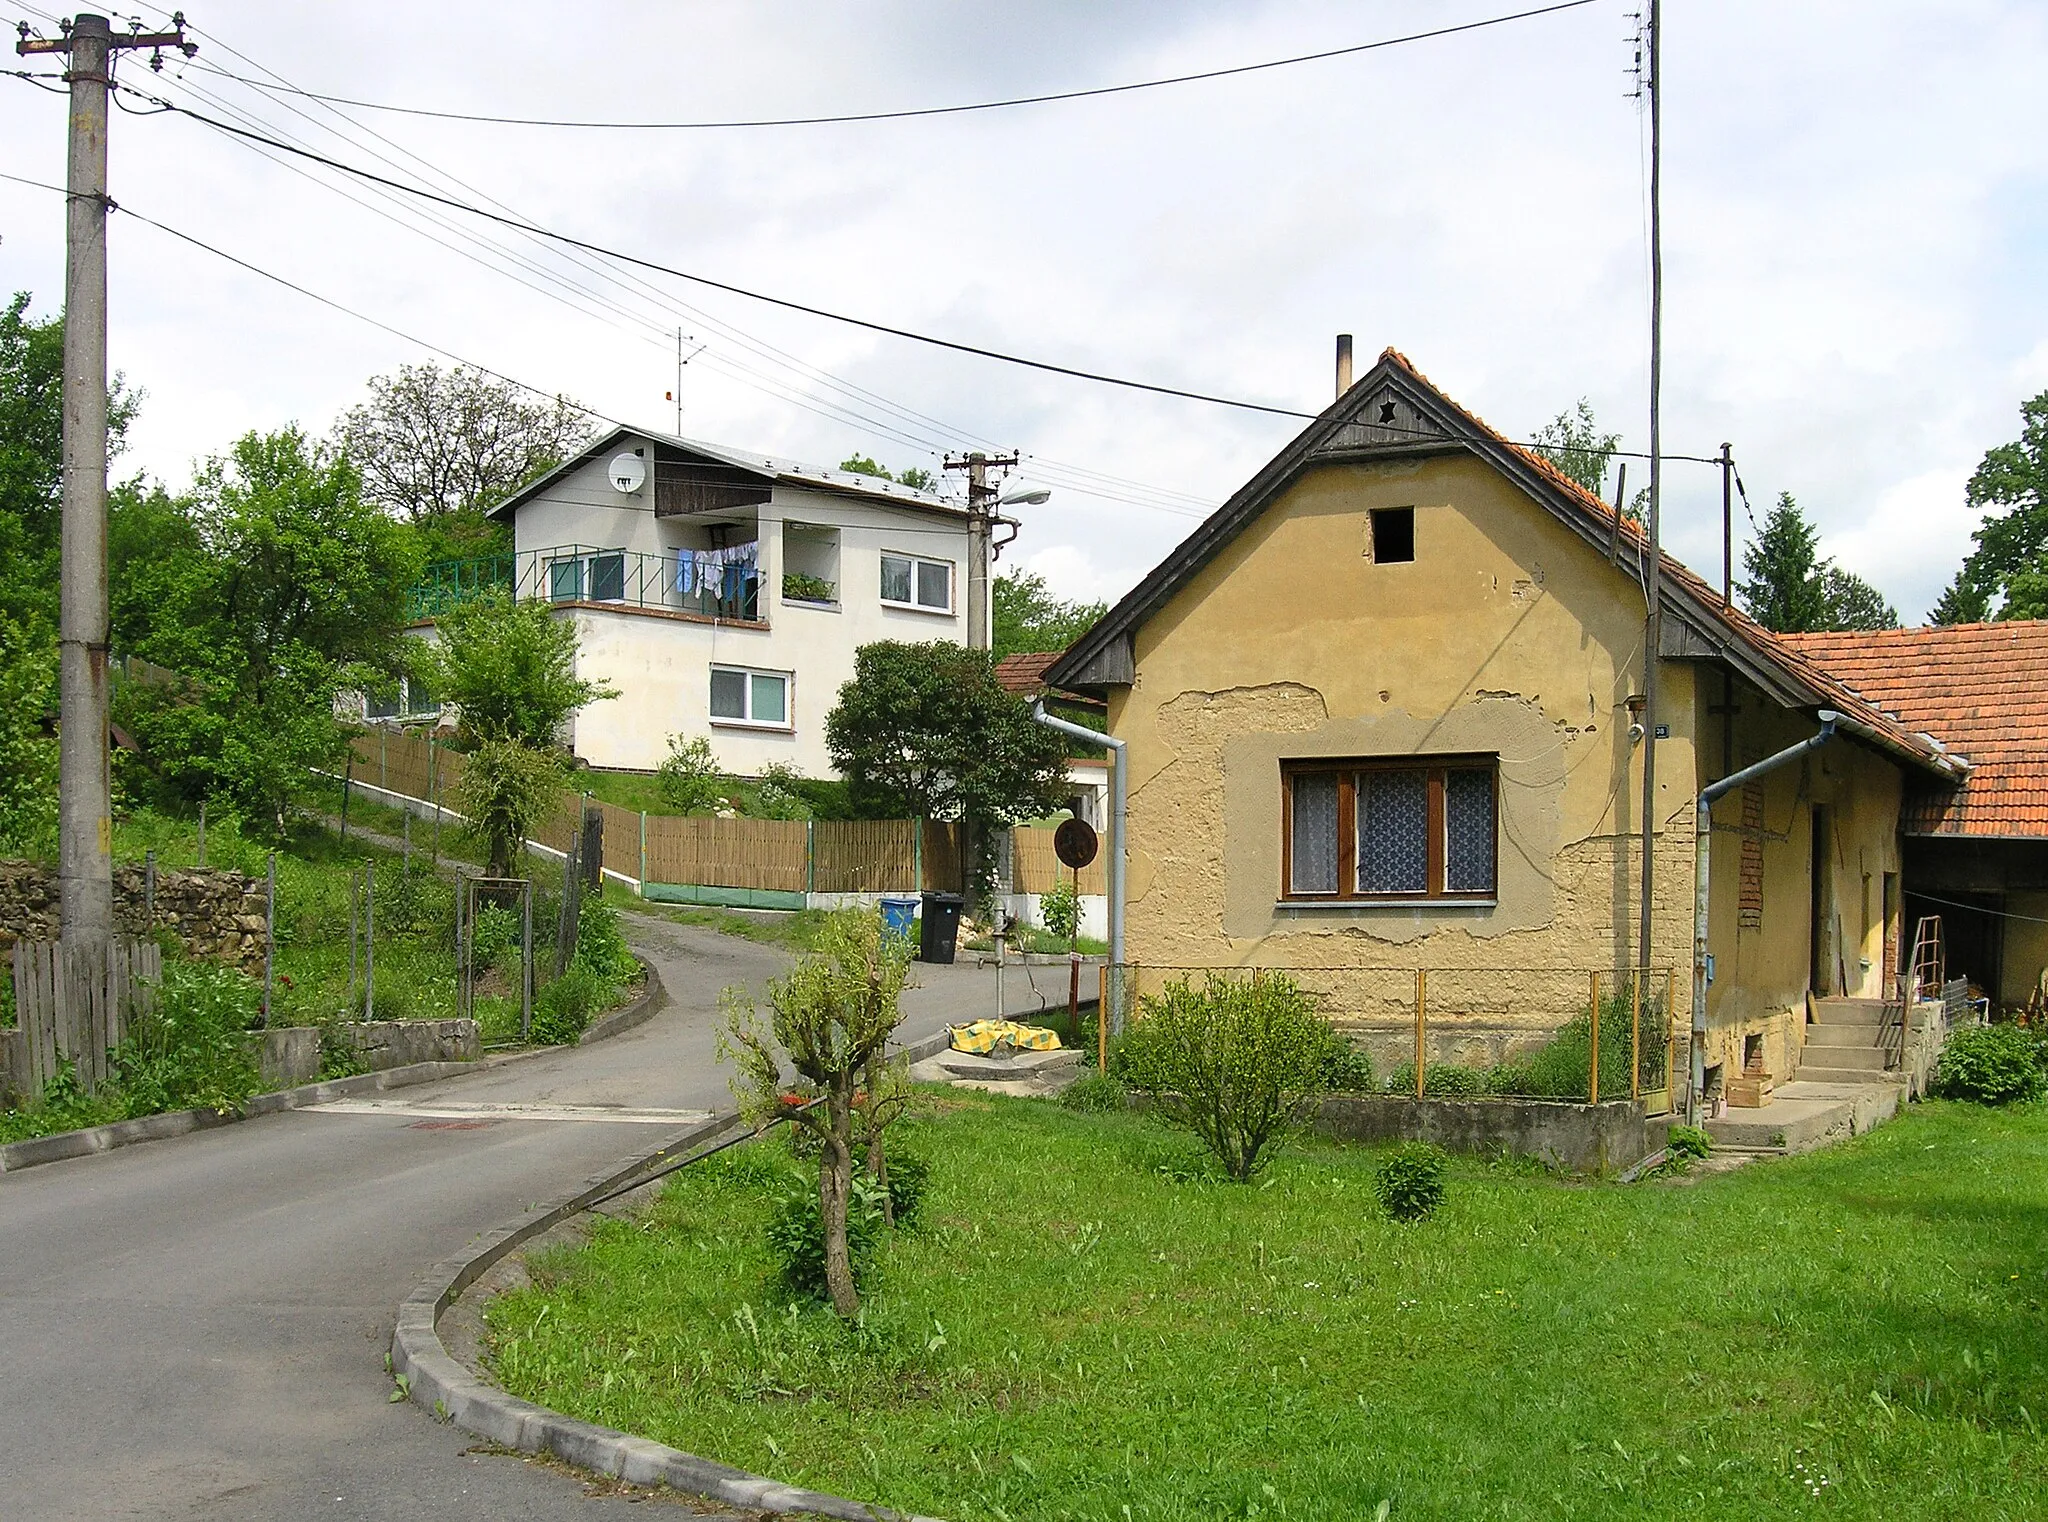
(1857, 272)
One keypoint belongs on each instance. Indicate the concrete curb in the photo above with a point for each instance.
(437, 1381)
(652, 1001)
(125, 1133)
(452, 1393)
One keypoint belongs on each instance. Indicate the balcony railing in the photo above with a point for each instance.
(713, 583)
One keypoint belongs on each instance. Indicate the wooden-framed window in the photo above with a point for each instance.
(1412, 828)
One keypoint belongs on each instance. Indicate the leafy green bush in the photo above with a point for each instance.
(689, 778)
(796, 1236)
(1561, 1068)
(494, 937)
(1441, 1080)
(1688, 1141)
(1239, 1062)
(63, 1105)
(1992, 1065)
(1097, 1094)
(392, 1000)
(779, 794)
(909, 1175)
(562, 1010)
(601, 944)
(406, 898)
(1347, 1068)
(797, 587)
(506, 789)
(1060, 910)
(192, 1050)
(1410, 1183)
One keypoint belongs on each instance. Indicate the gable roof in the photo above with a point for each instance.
(1983, 688)
(770, 469)
(1394, 412)
(1023, 675)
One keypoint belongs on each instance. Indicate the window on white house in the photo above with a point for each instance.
(741, 696)
(915, 583)
(1390, 829)
(588, 578)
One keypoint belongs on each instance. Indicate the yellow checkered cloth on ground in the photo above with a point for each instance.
(984, 1036)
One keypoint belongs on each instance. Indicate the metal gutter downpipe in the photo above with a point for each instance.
(1118, 800)
(1703, 843)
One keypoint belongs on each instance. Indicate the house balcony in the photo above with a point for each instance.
(721, 584)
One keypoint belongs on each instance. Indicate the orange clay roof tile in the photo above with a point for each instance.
(1982, 689)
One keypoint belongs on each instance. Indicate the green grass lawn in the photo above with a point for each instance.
(1087, 1326)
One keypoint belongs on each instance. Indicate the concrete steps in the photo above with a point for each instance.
(1806, 1114)
(1845, 1044)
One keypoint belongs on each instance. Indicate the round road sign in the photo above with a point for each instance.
(1074, 843)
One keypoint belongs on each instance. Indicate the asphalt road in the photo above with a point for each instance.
(197, 1327)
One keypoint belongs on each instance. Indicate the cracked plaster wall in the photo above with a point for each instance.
(1506, 635)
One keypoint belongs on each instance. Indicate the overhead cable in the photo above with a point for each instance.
(847, 118)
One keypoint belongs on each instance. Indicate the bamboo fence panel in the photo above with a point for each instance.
(76, 1007)
(864, 856)
(621, 838)
(1036, 868)
(728, 853)
(942, 869)
(558, 830)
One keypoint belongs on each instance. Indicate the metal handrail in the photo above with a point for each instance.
(722, 584)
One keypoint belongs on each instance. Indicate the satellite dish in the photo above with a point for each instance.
(627, 472)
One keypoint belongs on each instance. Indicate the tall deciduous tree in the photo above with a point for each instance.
(510, 669)
(32, 460)
(1790, 587)
(916, 477)
(28, 745)
(1027, 617)
(437, 447)
(1573, 442)
(275, 587)
(925, 731)
(2008, 570)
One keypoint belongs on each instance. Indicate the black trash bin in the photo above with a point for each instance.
(939, 929)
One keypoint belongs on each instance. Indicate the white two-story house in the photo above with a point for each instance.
(722, 593)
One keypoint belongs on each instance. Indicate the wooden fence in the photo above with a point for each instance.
(1035, 868)
(754, 855)
(76, 1007)
(728, 853)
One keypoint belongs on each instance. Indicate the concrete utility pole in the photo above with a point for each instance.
(85, 870)
(1653, 572)
(981, 498)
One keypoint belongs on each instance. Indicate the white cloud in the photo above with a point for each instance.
(1072, 574)
(1855, 289)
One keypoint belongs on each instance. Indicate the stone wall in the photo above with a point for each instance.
(215, 913)
(398, 1043)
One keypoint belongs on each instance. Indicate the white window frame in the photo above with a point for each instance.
(915, 561)
(785, 724)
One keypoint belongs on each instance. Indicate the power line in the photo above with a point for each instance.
(534, 229)
(920, 111)
(568, 240)
(397, 332)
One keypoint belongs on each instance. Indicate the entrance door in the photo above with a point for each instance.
(1820, 972)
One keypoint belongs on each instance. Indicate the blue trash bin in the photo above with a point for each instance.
(898, 914)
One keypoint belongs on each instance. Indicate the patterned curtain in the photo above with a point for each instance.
(1468, 831)
(1393, 832)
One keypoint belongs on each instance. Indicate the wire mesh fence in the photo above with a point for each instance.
(1560, 1033)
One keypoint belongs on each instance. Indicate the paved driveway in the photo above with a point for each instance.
(197, 1327)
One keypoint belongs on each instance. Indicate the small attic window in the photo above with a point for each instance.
(1393, 535)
